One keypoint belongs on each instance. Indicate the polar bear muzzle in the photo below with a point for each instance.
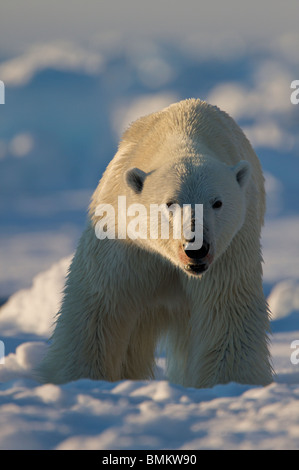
(197, 264)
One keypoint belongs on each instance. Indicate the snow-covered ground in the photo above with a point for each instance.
(148, 414)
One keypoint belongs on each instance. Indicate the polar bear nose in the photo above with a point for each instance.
(197, 254)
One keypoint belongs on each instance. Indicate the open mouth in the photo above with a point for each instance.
(196, 268)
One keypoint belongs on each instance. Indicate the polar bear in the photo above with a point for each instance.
(123, 295)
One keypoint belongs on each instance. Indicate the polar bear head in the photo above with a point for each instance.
(195, 183)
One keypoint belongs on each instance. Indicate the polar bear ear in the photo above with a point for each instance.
(242, 172)
(135, 179)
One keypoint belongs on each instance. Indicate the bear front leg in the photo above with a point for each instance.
(229, 341)
(96, 319)
(87, 343)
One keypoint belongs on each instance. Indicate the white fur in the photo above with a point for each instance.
(123, 296)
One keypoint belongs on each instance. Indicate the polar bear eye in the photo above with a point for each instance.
(217, 204)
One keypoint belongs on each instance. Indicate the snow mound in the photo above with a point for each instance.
(141, 415)
(32, 310)
(284, 299)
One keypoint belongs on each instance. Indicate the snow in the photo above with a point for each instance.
(33, 311)
(143, 415)
(61, 55)
(149, 415)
